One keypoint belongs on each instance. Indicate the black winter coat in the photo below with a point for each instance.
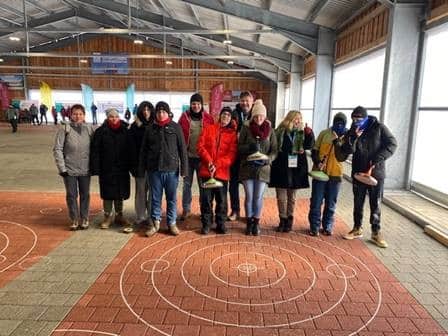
(163, 149)
(239, 117)
(136, 133)
(375, 145)
(110, 160)
(291, 178)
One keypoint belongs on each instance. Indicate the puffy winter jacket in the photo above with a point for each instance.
(185, 122)
(217, 145)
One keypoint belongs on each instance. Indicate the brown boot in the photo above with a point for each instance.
(122, 221)
(106, 221)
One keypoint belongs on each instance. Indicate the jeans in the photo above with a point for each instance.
(109, 204)
(193, 165)
(328, 192)
(253, 203)
(220, 197)
(286, 201)
(168, 181)
(142, 200)
(73, 184)
(42, 117)
(375, 197)
(234, 186)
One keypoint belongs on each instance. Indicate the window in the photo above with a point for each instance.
(307, 100)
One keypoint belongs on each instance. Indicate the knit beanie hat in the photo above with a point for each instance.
(112, 112)
(162, 105)
(258, 108)
(359, 112)
(197, 98)
(225, 109)
(340, 117)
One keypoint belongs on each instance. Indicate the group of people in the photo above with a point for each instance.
(240, 147)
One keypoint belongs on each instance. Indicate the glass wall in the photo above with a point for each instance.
(430, 158)
(307, 100)
(359, 82)
(106, 99)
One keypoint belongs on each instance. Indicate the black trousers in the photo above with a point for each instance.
(360, 191)
(219, 195)
(13, 123)
(234, 186)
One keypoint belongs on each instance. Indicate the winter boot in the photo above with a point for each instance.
(107, 221)
(249, 224)
(288, 224)
(281, 225)
(255, 226)
(221, 228)
(122, 221)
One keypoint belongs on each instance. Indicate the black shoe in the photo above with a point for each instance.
(281, 225)
(221, 229)
(288, 225)
(249, 224)
(256, 226)
(205, 230)
(313, 233)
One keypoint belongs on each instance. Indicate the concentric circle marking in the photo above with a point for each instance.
(149, 269)
(2, 258)
(247, 269)
(50, 211)
(332, 263)
(85, 331)
(344, 274)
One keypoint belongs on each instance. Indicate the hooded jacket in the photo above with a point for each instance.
(217, 145)
(185, 123)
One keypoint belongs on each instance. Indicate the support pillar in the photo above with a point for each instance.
(324, 79)
(295, 87)
(400, 85)
(280, 101)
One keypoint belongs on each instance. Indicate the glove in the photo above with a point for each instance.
(253, 147)
(63, 174)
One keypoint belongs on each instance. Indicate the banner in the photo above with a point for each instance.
(4, 95)
(216, 97)
(130, 92)
(87, 96)
(45, 95)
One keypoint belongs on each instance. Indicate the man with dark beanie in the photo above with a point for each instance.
(371, 144)
(327, 157)
(192, 123)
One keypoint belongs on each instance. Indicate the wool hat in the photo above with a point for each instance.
(197, 98)
(359, 112)
(339, 117)
(112, 112)
(258, 108)
(225, 109)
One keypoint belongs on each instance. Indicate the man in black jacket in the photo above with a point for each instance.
(371, 144)
(163, 156)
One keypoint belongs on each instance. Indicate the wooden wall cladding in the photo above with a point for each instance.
(439, 10)
(366, 32)
(67, 76)
(309, 67)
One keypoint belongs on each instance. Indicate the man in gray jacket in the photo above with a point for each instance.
(71, 152)
(13, 117)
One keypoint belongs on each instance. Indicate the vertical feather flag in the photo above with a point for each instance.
(87, 96)
(130, 92)
(45, 94)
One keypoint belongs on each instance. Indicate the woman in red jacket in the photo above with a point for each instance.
(217, 148)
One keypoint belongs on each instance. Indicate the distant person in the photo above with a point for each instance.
(71, 152)
(34, 114)
(327, 156)
(240, 114)
(371, 144)
(43, 113)
(135, 110)
(63, 113)
(12, 116)
(127, 115)
(110, 160)
(54, 114)
(217, 148)
(145, 117)
(93, 109)
(163, 156)
(192, 122)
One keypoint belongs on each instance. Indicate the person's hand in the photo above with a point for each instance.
(63, 174)
(307, 130)
(211, 168)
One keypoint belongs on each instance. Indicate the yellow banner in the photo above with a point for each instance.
(45, 95)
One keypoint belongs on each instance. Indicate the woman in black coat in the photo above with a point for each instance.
(289, 170)
(110, 160)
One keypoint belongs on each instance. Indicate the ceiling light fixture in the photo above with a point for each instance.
(138, 42)
(230, 62)
(227, 41)
(83, 60)
(168, 62)
(14, 38)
